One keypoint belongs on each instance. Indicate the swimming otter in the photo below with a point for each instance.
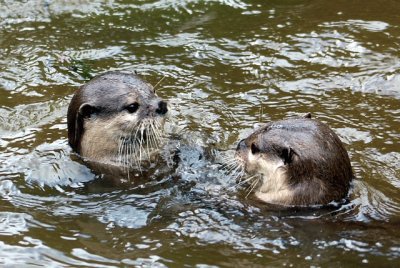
(296, 162)
(116, 118)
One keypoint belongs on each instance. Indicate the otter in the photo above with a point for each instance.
(296, 162)
(116, 118)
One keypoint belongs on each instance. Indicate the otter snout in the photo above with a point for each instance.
(155, 108)
(162, 108)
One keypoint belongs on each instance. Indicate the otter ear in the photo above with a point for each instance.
(84, 111)
(287, 155)
(307, 115)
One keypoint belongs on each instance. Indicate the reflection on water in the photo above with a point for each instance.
(227, 65)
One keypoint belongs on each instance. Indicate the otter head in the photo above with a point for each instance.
(297, 161)
(114, 117)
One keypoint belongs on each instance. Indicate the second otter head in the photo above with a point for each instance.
(296, 162)
(116, 118)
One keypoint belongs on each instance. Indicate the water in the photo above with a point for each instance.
(227, 65)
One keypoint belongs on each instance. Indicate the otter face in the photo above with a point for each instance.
(299, 161)
(116, 118)
(259, 155)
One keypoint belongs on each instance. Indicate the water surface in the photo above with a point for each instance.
(227, 65)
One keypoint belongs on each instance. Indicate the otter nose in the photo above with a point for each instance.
(241, 145)
(162, 108)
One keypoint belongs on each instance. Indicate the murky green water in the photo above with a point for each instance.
(227, 64)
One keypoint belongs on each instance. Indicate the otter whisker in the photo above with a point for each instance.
(157, 126)
(246, 180)
(154, 88)
(121, 153)
(228, 164)
(121, 142)
(140, 149)
(242, 182)
(135, 160)
(233, 170)
(125, 150)
(228, 171)
(157, 137)
(131, 152)
(119, 150)
(226, 158)
(127, 155)
(148, 131)
(151, 140)
(239, 176)
(134, 146)
(147, 141)
(137, 127)
(153, 137)
(252, 186)
(140, 142)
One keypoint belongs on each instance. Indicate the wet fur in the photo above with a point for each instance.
(301, 161)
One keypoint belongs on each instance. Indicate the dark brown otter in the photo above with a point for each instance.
(297, 162)
(116, 118)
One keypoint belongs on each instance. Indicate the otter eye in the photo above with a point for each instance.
(131, 108)
(254, 148)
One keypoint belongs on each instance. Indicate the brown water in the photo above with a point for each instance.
(227, 64)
